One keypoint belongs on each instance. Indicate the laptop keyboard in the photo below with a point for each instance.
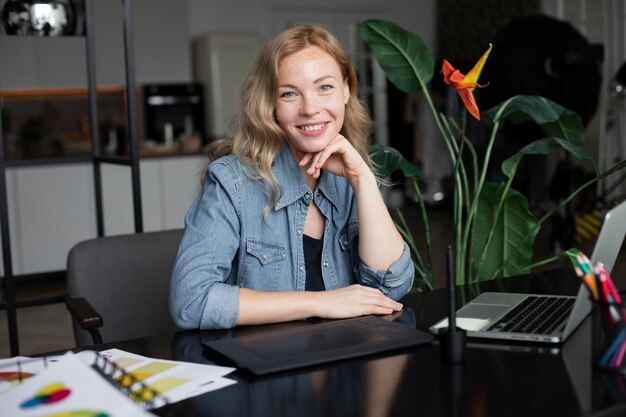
(536, 314)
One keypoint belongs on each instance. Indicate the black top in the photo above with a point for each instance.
(313, 263)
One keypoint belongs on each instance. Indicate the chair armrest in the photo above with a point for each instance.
(85, 315)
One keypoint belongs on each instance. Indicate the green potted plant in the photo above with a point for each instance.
(494, 231)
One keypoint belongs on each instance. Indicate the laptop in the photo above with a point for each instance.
(539, 317)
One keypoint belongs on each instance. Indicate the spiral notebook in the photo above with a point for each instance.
(75, 384)
(148, 382)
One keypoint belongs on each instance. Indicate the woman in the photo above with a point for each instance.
(290, 223)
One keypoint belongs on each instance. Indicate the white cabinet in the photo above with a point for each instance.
(52, 207)
(180, 183)
(168, 185)
(117, 198)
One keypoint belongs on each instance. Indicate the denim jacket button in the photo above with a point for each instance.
(325, 263)
(301, 268)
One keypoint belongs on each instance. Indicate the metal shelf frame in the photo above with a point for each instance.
(9, 303)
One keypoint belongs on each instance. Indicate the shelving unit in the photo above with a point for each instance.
(8, 302)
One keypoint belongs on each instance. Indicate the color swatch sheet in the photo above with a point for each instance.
(174, 380)
(14, 371)
(67, 388)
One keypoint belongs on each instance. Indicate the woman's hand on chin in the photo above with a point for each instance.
(339, 158)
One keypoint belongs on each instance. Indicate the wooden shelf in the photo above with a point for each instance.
(33, 93)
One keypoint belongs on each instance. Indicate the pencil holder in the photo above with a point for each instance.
(612, 353)
(610, 315)
(604, 294)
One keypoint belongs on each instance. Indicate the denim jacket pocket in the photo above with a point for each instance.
(262, 264)
(347, 234)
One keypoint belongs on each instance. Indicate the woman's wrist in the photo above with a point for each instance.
(315, 303)
(365, 180)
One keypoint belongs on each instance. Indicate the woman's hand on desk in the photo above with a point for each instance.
(262, 307)
(353, 301)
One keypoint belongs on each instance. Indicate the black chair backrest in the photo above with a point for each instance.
(126, 279)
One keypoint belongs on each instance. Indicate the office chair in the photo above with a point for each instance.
(117, 286)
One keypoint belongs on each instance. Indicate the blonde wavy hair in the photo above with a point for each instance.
(259, 138)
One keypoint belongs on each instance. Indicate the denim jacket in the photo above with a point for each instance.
(228, 243)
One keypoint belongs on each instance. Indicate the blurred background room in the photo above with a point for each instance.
(184, 62)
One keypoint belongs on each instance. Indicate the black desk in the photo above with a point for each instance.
(495, 380)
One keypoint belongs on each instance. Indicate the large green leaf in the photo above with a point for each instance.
(543, 147)
(554, 119)
(388, 160)
(572, 255)
(400, 53)
(509, 241)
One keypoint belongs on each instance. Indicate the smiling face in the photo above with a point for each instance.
(311, 99)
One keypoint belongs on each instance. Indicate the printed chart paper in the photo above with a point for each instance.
(14, 371)
(174, 380)
(68, 388)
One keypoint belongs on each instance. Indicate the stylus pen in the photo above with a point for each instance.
(451, 291)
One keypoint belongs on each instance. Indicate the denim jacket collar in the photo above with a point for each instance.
(293, 185)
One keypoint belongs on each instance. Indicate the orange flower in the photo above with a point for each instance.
(465, 84)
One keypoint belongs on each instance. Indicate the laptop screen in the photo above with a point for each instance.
(611, 237)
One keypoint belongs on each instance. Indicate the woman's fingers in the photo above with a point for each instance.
(340, 158)
(306, 159)
(358, 300)
(337, 146)
(392, 316)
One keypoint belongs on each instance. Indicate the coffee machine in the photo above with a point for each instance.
(173, 112)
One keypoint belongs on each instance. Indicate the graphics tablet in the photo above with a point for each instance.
(292, 348)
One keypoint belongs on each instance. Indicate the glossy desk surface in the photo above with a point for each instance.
(496, 379)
